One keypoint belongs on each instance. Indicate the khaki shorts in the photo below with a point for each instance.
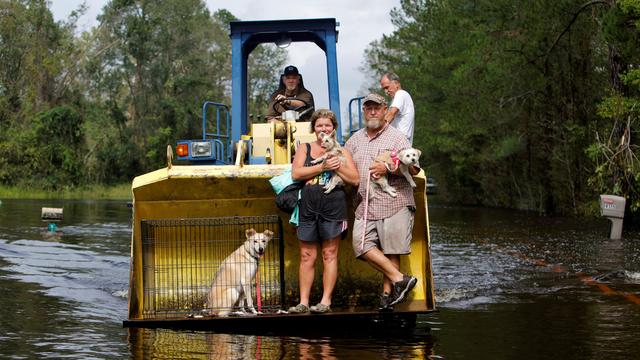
(392, 235)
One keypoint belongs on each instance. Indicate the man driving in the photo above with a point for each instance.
(291, 95)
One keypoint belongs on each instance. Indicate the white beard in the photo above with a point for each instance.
(374, 124)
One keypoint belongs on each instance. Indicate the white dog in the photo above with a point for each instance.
(331, 148)
(403, 159)
(232, 283)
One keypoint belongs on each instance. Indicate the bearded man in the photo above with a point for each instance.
(290, 95)
(389, 220)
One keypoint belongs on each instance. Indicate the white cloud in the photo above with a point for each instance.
(361, 22)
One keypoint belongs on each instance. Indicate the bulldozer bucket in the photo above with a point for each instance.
(187, 219)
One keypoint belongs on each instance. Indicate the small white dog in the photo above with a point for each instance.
(331, 148)
(403, 159)
(232, 283)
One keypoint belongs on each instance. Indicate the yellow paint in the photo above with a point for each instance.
(278, 140)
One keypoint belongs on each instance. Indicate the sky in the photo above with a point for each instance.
(361, 22)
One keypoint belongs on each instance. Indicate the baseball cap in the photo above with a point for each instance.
(378, 99)
(291, 70)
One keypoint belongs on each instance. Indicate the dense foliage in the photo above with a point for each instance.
(101, 106)
(531, 105)
(523, 104)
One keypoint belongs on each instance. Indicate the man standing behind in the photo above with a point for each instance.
(290, 95)
(401, 112)
(389, 220)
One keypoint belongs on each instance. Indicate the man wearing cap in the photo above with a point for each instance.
(291, 95)
(401, 113)
(389, 221)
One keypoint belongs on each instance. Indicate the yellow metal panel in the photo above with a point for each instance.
(263, 139)
(302, 133)
(280, 139)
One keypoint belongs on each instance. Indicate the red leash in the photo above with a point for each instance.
(258, 297)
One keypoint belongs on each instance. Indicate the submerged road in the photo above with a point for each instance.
(509, 285)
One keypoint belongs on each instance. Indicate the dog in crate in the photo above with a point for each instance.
(231, 287)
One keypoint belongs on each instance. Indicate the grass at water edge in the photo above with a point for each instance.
(93, 192)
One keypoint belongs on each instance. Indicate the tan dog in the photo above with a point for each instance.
(403, 159)
(232, 283)
(331, 148)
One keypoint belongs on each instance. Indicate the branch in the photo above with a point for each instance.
(575, 17)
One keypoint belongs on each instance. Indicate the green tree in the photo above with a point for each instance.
(36, 78)
(505, 96)
(125, 89)
(152, 64)
(616, 148)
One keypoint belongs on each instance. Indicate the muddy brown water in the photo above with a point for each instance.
(509, 285)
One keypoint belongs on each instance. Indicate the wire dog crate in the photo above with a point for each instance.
(182, 256)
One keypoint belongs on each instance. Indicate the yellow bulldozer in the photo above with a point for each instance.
(187, 219)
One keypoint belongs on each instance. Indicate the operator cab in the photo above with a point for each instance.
(235, 140)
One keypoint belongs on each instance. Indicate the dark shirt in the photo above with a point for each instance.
(301, 94)
(314, 203)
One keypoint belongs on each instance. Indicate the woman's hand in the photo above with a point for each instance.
(331, 163)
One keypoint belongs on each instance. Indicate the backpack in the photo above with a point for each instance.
(287, 191)
(287, 199)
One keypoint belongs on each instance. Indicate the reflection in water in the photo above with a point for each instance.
(313, 350)
(171, 344)
(509, 285)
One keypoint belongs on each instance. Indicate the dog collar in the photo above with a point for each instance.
(395, 159)
(255, 257)
(249, 252)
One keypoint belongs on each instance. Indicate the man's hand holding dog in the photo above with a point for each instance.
(378, 169)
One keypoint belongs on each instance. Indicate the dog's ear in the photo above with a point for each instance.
(268, 233)
(250, 232)
(333, 133)
(419, 152)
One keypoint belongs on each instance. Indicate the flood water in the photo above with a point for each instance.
(510, 285)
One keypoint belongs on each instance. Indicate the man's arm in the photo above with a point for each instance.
(307, 97)
(271, 112)
(293, 103)
(391, 114)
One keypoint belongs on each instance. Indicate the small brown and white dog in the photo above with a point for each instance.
(402, 159)
(232, 283)
(331, 148)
